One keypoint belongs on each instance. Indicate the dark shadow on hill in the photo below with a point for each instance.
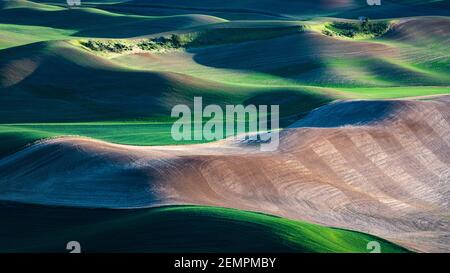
(349, 113)
(313, 59)
(232, 10)
(189, 229)
(149, 9)
(85, 89)
(290, 56)
(301, 58)
(139, 230)
(95, 23)
(56, 82)
(398, 8)
(284, 9)
(293, 104)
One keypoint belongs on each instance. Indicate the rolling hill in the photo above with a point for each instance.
(94, 22)
(397, 151)
(189, 228)
(73, 95)
(285, 9)
(86, 151)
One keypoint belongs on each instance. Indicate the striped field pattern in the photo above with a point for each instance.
(379, 167)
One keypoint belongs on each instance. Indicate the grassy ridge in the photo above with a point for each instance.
(88, 21)
(317, 60)
(394, 92)
(190, 40)
(265, 9)
(280, 63)
(171, 229)
(86, 87)
(12, 35)
(15, 137)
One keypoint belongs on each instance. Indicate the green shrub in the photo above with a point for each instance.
(350, 29)
(327, 32)
(204, 38)
(107, 46)
(176, 41)
(147, 45)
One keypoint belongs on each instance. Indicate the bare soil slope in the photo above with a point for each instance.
(384, 172)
